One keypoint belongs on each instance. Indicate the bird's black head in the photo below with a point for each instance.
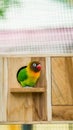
(35, 66)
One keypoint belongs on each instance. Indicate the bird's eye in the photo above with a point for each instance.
(34, 64)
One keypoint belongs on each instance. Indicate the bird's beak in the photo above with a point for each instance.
(38, 67)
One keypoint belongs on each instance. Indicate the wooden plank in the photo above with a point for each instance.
(26, 107)
(62, 81)
(14, 64)
(19, 105)
(20, 108)
(28, 90)
(35, 55)
(48, 78)
(1, 89)
(39, 99)
(42, 80)
(61, 113)
(5, 89)
(37, 122)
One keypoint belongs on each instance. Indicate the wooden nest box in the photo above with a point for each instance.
(50, 100)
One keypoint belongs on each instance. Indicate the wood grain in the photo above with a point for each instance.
(27, 90)
(62, 88)
(25, 107)
(1, 89)
(39, 100)
(19, 105)
(61, 113)
(7, 55)
(14, 64)
(62, 81)
(48, 93)
(5, 88)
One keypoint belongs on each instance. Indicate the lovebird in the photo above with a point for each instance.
(28, 75)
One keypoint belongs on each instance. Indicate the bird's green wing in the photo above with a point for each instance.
(22, 74)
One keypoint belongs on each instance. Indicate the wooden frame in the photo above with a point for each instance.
(62, 88)
(4, 91)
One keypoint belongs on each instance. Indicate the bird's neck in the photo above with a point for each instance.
(33, 73)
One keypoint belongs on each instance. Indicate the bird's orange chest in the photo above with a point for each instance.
(33, 74)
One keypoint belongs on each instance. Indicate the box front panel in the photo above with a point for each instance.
(26, 106)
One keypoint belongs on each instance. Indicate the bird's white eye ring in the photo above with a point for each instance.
(34, 64)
